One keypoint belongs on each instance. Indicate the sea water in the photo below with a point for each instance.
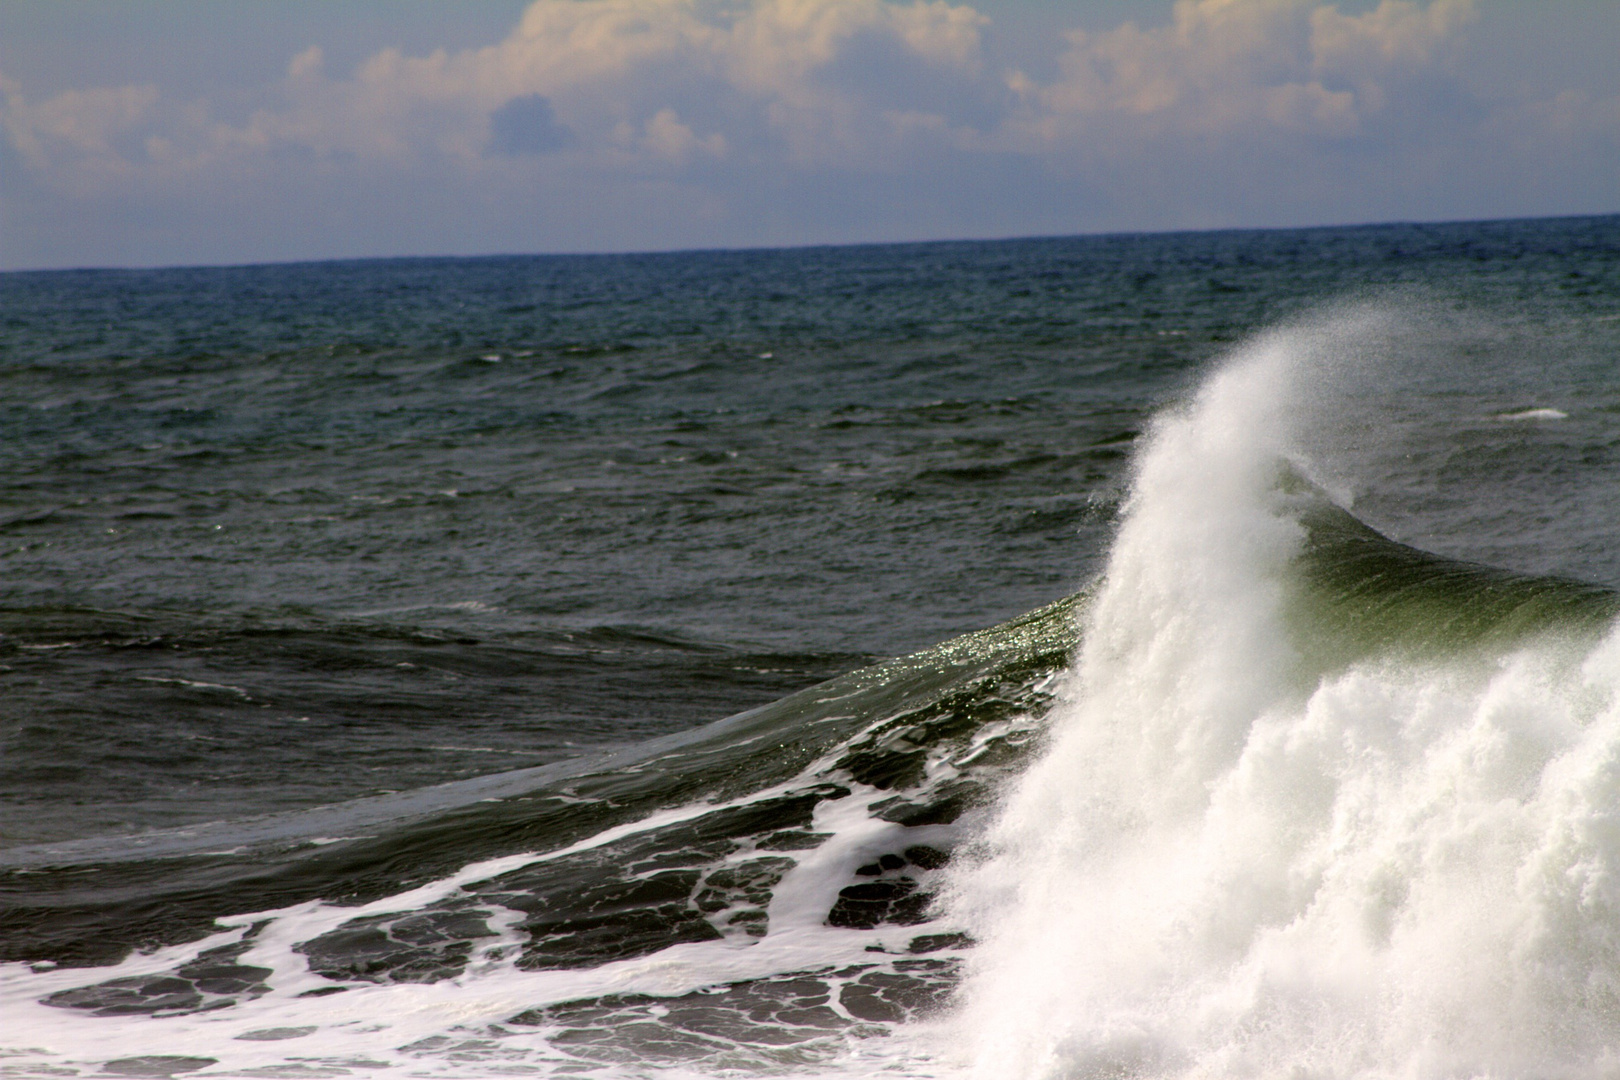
(368, 629)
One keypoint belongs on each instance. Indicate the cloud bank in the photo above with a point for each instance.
(636, 124)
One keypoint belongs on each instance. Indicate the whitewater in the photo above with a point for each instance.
(1252, 852)
(1273, 796)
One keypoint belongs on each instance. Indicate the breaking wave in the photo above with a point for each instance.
(1316, 804)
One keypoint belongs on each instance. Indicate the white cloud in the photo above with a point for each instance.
(1397, 32)
(76, 123)
(1225, 67)
(672, 140)
(603, 63)
(306, 65)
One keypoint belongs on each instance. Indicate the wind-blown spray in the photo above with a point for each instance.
(1247, 854)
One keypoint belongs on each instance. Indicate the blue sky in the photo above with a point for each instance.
(187, 132)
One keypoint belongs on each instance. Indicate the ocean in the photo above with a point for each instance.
(1092, 658)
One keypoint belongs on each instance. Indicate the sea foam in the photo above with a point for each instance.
(1229, 862)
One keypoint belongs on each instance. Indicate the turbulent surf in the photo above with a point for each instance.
(1315, 803)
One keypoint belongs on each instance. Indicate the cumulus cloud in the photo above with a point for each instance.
(672, 140)
(672, 70)
(77, 123)
(1226, 67)
(811, 79)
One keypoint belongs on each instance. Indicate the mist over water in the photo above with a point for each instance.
(1244, 855)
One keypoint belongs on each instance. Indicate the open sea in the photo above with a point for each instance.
(1098, 658)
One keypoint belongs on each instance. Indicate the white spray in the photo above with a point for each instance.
(1228, 865)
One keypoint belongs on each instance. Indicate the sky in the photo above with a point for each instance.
(190, 132)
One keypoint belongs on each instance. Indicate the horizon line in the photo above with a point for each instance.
(770, 248)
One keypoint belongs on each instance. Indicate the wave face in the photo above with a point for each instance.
(1316, 804)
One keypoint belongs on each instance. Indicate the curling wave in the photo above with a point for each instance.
(1316, 804)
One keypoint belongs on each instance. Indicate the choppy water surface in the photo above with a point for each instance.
(360, 622)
